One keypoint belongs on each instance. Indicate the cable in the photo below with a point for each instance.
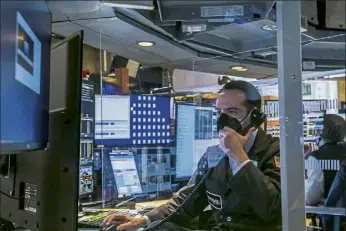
(158, 224)
(9, 196)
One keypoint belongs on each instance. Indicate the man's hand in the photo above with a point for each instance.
(127, 221)
(235, 143)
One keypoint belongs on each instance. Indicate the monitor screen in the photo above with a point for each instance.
(25, 64)
(87, 110)
(86, 185)
(132, 120)
(196, 130)
(125, 173)
(112, 114)
(97, 160)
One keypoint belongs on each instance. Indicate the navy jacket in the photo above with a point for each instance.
(250, 199)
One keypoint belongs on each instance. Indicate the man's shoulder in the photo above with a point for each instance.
(330, 152)
(315, 154)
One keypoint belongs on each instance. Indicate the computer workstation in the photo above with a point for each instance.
(134, 140)
(40, 120)
(139, 170)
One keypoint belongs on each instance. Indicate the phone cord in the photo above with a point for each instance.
(166, 219)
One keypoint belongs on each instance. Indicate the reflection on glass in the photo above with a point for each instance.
(155, 139)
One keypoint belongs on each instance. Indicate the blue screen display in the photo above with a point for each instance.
(132, 120)
(25, 64)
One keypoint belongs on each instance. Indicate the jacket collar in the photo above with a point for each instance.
(261, 142)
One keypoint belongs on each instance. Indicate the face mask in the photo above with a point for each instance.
(227, 121)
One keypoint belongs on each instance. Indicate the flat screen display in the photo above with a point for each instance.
(132, 120)
(25, 72)
(196, 131)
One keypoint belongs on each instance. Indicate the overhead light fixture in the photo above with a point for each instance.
(134, 5)
(238, 68)
(145, 43)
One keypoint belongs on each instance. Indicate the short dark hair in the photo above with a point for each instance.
(333, 128)
(253, 97)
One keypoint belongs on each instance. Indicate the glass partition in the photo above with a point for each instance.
(183, 130)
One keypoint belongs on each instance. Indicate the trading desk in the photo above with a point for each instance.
(92, 218)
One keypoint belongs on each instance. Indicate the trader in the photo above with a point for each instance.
(319, 179)
(242, 188)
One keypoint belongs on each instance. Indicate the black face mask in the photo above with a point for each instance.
(227, 121)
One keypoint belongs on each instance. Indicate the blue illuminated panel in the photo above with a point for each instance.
(145, 120)
(150, 120)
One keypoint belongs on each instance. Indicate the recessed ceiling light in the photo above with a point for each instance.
(146, 43)
(238, 68)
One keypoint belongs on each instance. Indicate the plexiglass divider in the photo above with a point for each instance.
(153, 138)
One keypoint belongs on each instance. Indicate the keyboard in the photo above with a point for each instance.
(95, 221)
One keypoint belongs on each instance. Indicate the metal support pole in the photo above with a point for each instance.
(290, 105)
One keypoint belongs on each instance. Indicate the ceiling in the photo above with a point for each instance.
(227, 41)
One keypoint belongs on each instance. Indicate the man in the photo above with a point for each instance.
(323, 163)
(242, 188)
(325, 182)
(336, 198)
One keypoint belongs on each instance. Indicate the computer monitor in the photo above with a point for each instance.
(125, 173)
(46, 181)
(196, 130)
(87, 110)
(86, 184)
(87, 138)
(132, 120)
(97, 160)
(24, 88)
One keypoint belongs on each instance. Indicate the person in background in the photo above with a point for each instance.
(336, 199)
(320, 174)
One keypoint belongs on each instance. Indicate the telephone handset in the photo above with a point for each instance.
(257, 118)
